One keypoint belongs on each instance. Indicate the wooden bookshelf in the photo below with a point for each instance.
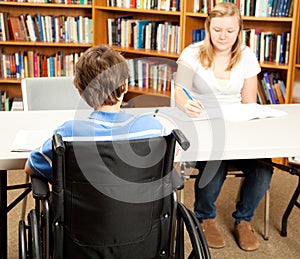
(101, 14)
(11, 84)
(184, 17)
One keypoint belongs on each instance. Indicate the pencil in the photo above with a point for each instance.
(188, 94)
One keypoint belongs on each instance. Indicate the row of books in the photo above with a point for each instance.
(266, 8)
(259, 8)
(268, 46)
(151, 73)
(82, 2)
(45, 28)
(198, 35)
(6, 104)
(271, 88)
(164, 5)
(126, 32)
(32, 64)
(155, 73)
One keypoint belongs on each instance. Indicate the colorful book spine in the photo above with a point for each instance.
(269, 88)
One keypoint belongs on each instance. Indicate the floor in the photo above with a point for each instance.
(282, 187)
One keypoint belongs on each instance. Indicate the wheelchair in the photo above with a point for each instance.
(111, 199)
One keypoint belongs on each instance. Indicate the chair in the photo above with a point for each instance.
(115, 207)
(50, 93)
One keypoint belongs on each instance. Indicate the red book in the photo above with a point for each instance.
(44, 66)
(210, 5)
(23, 25)
(132, 3)
(36, 71)
(12, 66)
(16, 31)
(271, 59)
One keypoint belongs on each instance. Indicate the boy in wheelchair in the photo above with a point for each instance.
(101, 79)
(83, 222)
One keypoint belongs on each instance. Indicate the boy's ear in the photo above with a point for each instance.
(125, 87)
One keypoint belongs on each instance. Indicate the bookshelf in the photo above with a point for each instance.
(43, 47)
(162, 52)
(183, 16)
(102, 12)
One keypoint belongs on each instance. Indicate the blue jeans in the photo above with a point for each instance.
(257, 180)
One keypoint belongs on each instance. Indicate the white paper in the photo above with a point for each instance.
(175, 112)
(235, 112)
(250, 111)
(28, 140)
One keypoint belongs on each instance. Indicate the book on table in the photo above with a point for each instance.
(234, 113)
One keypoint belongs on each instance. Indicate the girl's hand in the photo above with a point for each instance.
(193, 108)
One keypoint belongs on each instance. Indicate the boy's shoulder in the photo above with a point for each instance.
(147, 119)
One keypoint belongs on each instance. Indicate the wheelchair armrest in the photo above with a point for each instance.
(40, 188)
(181, 139)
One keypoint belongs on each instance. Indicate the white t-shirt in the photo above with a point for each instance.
(207, 88)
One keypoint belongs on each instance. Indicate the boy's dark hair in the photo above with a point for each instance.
(100, 75)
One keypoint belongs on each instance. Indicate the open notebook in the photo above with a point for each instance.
(235, 112)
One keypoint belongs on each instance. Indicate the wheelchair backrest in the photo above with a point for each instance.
(113, 199)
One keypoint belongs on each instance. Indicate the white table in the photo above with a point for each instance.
(258, 138)
(210, 140)
(11, 122)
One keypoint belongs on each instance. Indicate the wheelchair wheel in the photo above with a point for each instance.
(200, 248)
(22, 240)
(34, 235)
(205, 248)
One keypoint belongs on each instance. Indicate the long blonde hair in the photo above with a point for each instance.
(206, 54)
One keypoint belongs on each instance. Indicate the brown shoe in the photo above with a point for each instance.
(213, 237)
(245, 236)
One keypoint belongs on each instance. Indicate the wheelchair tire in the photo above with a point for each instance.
(36, 244)
(22, 240)
(205, 248)
(199, 245)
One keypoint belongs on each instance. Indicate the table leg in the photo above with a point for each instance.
(293, 202)
(3, 214)
(293, 170)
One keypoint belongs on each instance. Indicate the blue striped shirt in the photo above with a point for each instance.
(99, 126)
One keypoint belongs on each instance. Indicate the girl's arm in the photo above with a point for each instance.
(249, 90)
(184, 79)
